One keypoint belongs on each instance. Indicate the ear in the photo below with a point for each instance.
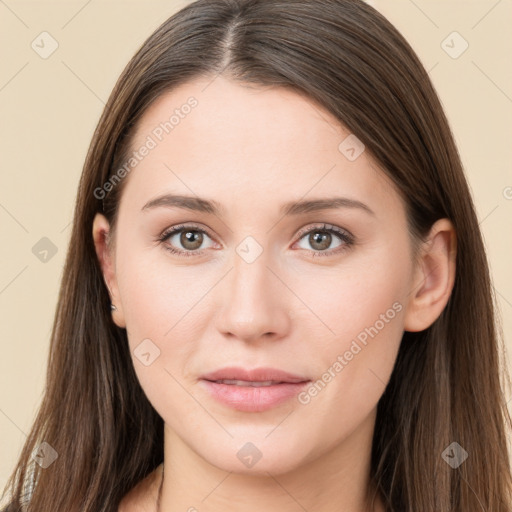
(105, 253)
(433, 278)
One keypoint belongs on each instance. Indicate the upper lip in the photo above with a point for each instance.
(253, 375)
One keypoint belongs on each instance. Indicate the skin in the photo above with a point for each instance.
(252, 149)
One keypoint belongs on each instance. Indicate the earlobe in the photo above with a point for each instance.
(434, 277)
(100, 233)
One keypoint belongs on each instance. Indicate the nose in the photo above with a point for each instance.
(254, 302)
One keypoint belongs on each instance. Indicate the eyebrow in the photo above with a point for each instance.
(290, 208)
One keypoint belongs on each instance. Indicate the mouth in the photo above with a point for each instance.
(255, 390)
(257, 384)
(267, 376)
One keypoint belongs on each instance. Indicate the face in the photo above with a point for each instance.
(319, 293)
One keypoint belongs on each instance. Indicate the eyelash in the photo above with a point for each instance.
(345, 237)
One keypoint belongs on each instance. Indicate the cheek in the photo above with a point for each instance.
(361, 307)
(160, 305)
(157, 295)
(353, 295)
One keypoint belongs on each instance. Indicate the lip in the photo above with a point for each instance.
(252, 398)
(254, 375)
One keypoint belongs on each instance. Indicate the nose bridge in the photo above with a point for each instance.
(250, 280)
(252, 305)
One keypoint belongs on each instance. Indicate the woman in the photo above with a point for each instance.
(276, 294)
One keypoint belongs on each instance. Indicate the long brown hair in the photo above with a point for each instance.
(445, 386)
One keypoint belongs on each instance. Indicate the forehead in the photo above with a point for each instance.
(263, 118)
(217, 138)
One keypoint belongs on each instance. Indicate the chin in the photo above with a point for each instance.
(253, 457)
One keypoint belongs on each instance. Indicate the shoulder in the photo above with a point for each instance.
(142, 497)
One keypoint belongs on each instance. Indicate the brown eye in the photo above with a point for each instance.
(185, 240)
(191, 239)
(319, 240)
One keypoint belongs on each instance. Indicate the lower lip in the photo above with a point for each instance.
(252, 398)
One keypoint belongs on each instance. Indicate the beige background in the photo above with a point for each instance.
(50, 108)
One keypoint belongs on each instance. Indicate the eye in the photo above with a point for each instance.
(190, 238)
(320, 238)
